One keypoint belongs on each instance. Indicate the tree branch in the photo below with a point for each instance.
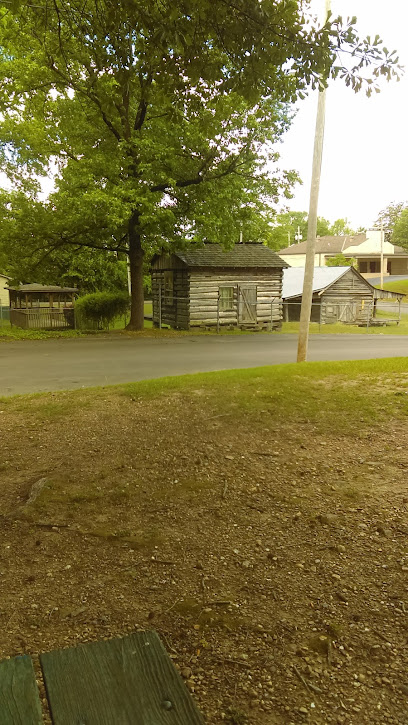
(143, 104)
(200, 178)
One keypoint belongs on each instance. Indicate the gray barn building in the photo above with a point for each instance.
(340, 294)
(211, 287)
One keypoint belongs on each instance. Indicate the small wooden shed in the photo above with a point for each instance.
(340, 294)
(211, 287)
(48, 307)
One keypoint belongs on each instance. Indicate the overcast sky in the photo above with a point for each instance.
(365, 158)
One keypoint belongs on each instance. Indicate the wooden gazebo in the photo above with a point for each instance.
(47, 307)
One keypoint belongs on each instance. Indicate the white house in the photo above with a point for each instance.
(4, 293)
(365, 248)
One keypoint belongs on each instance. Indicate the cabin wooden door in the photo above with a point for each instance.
(348, 312)
(247, 305)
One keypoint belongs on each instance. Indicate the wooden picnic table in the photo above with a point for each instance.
(126, 681)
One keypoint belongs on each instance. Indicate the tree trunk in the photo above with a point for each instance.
(136, 275)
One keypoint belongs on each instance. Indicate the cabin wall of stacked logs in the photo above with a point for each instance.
(195, 298)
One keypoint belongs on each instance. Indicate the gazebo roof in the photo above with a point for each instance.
(42, 288)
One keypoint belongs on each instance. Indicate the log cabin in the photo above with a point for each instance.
(211, 287)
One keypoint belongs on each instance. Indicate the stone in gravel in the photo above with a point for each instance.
(403, 689)
(186, 672)
(326, 519)
(36, 489)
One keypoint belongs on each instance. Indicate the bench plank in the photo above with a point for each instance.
(129, 681)
(19, 699)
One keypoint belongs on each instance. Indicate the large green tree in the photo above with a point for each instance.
(390, 215)
(158, 119)
(399, 234)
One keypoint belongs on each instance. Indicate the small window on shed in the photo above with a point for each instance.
(226, 298)
(168, 288)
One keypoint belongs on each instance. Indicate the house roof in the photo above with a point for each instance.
(242, 255)
(323, 277)
(34, 287)
(398, 252)
(327, 244)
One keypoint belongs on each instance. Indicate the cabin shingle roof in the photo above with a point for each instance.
(242, 255)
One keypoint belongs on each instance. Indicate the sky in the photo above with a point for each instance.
(365, 156)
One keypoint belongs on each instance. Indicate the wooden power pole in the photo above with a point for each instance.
(307, 295)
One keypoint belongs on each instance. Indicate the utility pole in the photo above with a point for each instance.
(307, 295)
(382, 257)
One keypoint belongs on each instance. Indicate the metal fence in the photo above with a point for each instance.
(4, 315)
(243, 309)
(43, 318)
(269, 313)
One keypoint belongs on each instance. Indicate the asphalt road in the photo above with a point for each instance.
(32, 366)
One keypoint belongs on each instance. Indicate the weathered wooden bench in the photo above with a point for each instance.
(128, 681)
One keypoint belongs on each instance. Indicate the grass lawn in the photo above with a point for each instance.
(257, 519)
(340, 329)
(398, 286)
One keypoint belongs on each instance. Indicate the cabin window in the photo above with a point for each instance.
(362, 266)
(168, 288)
(226, 295)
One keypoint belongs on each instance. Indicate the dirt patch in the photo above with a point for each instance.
(270, 557)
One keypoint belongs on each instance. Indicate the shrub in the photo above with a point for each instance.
(341, 261)
(101, 308)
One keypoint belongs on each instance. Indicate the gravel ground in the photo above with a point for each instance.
(270, 557)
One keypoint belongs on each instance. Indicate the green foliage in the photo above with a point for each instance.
(341, 261)
(400, 232)
(288, 226)
(389, 216)
(341, 227)
(159, 120)
(101, 308)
